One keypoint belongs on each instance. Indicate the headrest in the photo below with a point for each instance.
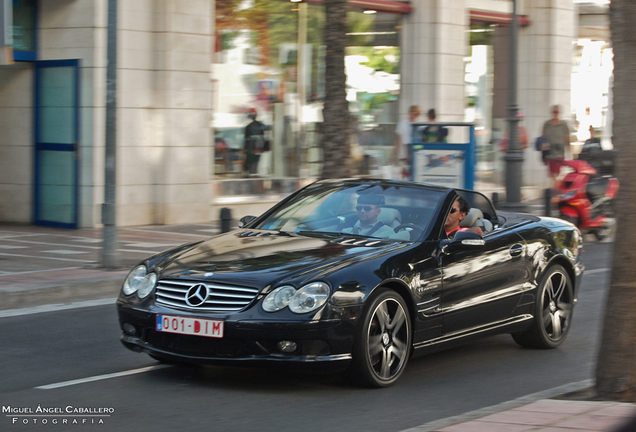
(471, 218)
(390, 217)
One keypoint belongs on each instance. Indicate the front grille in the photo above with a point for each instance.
(221, 298)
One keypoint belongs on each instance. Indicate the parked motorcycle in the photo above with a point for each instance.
(585, 198)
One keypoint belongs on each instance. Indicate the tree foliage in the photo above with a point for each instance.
(616, 367)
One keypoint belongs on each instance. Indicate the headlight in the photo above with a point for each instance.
(147, 284)
(139, 281)
(308, 298)
(134, 279)
(278, 299)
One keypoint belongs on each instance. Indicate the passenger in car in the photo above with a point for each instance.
(368, 210)
(457, 213)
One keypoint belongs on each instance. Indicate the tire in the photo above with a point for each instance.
(603, 232)
(553, 311)
(382, 345)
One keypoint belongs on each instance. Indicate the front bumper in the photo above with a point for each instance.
(245, 340)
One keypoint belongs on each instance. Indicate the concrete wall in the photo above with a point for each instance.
(16, 142)
(164, 100)
(434, 41)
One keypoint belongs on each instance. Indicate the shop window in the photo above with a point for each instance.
(263, 64)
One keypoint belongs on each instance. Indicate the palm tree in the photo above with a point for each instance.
(616, 368)
(335, 131)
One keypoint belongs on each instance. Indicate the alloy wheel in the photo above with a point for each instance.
(388, 339)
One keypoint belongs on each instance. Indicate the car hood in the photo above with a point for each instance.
(257, 258)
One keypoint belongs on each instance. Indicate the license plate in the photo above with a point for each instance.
(190, 326)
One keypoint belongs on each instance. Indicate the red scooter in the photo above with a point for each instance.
(585, 198)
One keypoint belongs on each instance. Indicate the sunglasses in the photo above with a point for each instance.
(454, 210)
(365, 208)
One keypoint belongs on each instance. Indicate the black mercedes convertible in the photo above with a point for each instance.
(360, 275)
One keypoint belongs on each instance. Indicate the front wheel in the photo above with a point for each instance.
(604, 231)
(553, 311)
(383, 340)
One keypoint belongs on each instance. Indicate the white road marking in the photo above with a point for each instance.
(598, 270)
(56, 307)
(53, 244)
(4, 273)
(49, 258)
(101, 377)
(65, 252)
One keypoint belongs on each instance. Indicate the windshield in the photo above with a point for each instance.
(368, 210)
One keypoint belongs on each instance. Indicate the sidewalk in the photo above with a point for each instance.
(40, 265)
(44, 266)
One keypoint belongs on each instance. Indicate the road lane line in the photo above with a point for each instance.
(101, 377)
(598, 270)
(3, 273)
(56, 307)
(47, 258)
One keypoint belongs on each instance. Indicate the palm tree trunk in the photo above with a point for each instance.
(616, 366)
(335, 132)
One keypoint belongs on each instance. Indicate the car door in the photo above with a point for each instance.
(482, 285)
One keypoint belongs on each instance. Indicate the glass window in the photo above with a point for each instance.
(340, 208)
(260, 70)
(24, 30)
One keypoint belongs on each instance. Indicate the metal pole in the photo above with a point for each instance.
(514, 155)
(109, 253)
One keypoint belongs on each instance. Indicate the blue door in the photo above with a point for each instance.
(56, 143)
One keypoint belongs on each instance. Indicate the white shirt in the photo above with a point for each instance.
(384, 231)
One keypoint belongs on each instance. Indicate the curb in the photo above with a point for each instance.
(504, 406)
(23, 297)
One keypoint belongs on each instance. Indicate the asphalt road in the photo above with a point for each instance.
(73, 358)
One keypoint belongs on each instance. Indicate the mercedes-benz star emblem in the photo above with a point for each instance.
(197, 295)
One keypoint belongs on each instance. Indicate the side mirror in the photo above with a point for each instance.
(463, 240)
(245, 220)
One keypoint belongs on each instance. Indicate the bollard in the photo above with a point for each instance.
(547, 201)
(226, 218)
(495, 199)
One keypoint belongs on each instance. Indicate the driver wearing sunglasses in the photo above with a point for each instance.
(457, 213)
(368, 210)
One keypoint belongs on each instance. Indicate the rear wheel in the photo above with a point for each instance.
(553, 311)
(383, 340)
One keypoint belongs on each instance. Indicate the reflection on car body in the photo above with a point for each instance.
(297, 286)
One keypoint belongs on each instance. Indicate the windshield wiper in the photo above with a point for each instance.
(320, 233)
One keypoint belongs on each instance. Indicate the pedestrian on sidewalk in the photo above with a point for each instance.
(433, 133)
(400, 157)
(557, 134)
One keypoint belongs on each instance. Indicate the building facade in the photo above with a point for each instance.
(190, 72)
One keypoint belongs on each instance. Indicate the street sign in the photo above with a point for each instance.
(449, 162)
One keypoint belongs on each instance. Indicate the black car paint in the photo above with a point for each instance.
(448, 299)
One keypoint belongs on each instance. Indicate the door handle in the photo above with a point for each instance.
(516, 250)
